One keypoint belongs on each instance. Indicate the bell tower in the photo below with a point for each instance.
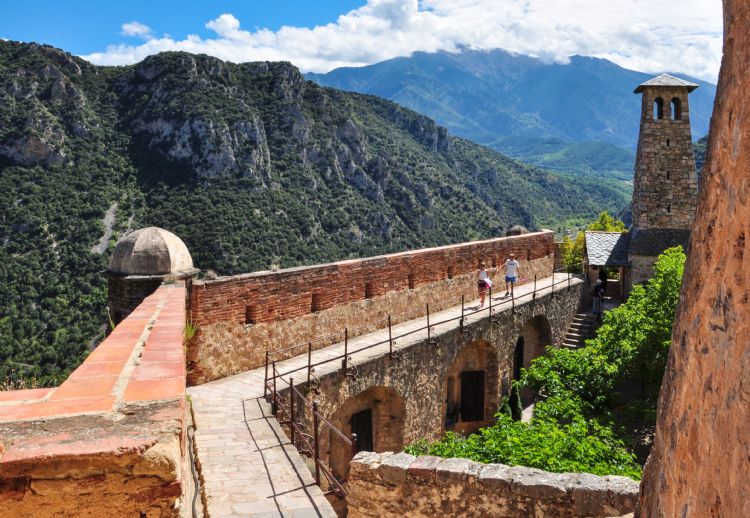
(665, 190)
(665, 183)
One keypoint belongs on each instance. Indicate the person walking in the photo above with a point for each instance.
(483, 283)
(598, 297)
(511, 273)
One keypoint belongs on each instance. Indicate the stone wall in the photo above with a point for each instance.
(699, 463)
(109, 441)
(417, 383)
(641, 268)
(388, 485)
(291, 307)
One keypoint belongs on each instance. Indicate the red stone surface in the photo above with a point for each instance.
(83, 448)
(700, 461)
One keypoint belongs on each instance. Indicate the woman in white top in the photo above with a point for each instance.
(483, 282)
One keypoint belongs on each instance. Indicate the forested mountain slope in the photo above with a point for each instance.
(579, 116)
(252, 165)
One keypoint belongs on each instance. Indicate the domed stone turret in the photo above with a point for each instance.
(142, 260)
(150, 251)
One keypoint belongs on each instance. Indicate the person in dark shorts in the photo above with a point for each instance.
(511, 273)
(598, 297)
(483, 283)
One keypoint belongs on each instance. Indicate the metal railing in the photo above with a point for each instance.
(308, 444)
(306, 441)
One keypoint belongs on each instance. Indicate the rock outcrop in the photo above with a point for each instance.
(699, 464)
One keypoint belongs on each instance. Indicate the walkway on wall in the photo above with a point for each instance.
(248, 464)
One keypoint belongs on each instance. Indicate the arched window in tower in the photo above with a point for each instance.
(658, 108)
(676, 109)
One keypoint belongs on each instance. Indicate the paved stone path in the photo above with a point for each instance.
(247, 463)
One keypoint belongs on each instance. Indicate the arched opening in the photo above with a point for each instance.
(536, 335)
(410, 281)
(658, 108)
(470, 388)
(376, 416)
(676, 109)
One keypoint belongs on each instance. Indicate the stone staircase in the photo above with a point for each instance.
(581, 329)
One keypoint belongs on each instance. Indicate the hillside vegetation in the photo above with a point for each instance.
(252, 165)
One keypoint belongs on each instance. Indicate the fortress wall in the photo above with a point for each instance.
(316, 303)
(408, 396)
(109, 441)
(387, 485)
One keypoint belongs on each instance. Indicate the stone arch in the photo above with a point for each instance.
(658, 108)
(535, 336)
(675, 106)
(470, 388)
(384, 408)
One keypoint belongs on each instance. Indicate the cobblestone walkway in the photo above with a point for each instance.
(248, 466)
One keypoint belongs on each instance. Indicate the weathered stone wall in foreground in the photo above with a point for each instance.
(388, 485)
(700, 461)
(109, 441)
(241, 317)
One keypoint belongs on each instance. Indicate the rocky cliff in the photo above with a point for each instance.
(252, 165)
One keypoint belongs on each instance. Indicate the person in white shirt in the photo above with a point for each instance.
(483, 282)
(511, 273)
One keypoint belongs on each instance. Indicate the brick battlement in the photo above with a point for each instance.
(109, 440)
(239, 317)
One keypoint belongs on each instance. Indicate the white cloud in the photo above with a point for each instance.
(137, 29)
(648, 35)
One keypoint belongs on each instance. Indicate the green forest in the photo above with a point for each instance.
(250, 164)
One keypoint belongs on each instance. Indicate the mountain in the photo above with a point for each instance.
(699, 150)
(252, 165)
(595, 159)
(488, 96)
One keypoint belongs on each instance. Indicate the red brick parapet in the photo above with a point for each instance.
(110, 439)
(240, 317)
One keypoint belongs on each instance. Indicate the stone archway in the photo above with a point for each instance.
(376, 416)
(535, 336)
(470, 388)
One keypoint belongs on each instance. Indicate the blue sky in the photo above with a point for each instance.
(646, 35)
(83, 27)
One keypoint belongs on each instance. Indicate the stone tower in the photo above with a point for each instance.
(142, 260)
(665, 190)
(665, 187)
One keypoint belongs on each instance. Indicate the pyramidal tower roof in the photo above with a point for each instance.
(666, 80)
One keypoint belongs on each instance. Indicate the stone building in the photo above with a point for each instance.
(665, 185)
(141, 261)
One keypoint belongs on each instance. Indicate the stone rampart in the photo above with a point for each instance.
(240, 317)
(109, 441)
(408, 397)
(395, 485)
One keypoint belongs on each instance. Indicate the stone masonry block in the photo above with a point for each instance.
(393, 467)
(535, 483)
(497, 477)
(424, 468)
(452, 471)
